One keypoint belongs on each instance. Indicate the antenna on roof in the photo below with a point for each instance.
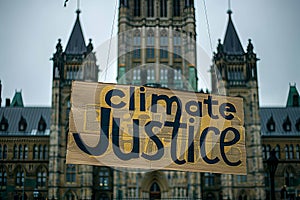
(229, 7)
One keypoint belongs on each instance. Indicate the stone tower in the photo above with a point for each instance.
(76, 62)
(234, 73)
(157, 43)
(157, 46)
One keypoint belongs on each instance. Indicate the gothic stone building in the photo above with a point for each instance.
(156, 47)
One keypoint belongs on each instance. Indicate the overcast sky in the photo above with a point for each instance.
(30, 29)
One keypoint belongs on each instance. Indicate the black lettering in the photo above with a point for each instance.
(110, 94)
(202, 145)
(227, 107)
(116, 140)
(210, 103)
(131, 102)
(142, 99)
(191, 156)
(102, 145)
(223, 144)
(160, 147)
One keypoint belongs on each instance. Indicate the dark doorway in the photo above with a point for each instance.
(155, 191)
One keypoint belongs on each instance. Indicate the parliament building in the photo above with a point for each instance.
(156, 48)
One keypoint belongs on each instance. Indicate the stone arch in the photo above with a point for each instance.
(70, 195)
(155, 177)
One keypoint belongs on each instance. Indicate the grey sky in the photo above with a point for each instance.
(30, 29)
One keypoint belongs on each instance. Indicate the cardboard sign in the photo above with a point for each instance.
(151, 128)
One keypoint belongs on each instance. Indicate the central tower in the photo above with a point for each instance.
(157, 46)
(157, 43)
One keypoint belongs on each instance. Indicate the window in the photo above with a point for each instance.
(176, 8)
(124, 3)
(20, 176)
(241, 178)
(45, 152)
(209, 179)
(163, 8)
(150, 44)
(20, 152)
(42, 125)
(137, 45)
(264, 153)
(3, 176)
(164, 44)
(298, 152)
(5, 151)
(25, 152)
(22, 124)
(286, 149)
(3, 124)
(35, 152)
(288, 178)
(104, 178)
(177, 45)
(178, 78)
(268, 149)
(136, 75)
(291, 152)
(71, 173)
(1, 151)
(189, 3)
(15, 151)
(150, 75)
(235, 73)
(271, 124)
(41, 177)
(287, 124)
(164, 77)
(150, 8)
(40, 152)
(277, 151)
(137, 8)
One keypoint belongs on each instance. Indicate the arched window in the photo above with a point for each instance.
(3, 176)
(20, 175)
(137, 8)
(287, 126)
(150, 44)
(71, 173)
(45, 152)
(298, 152)
(176, 8)
(288, 178)
(268, 149)
(3, 124)
(155, 191)
(42, 125)
(277, 151)
(271, 124)
(15, 151)
(22, 124)
(35, 152)
(291, 152)
(164, 44)
(105, 182)
(20, 152)
(40, 152)
(264, 153)
(25, 156)
(163, 8)
(150, 8)
(209, 179)
(177, 44)
(5, 151)
(286, 150)
(41, 177)
(137, 45)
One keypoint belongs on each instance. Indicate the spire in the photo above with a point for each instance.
(17, 100)
(232, 43)
(293, 97)
(76, 43)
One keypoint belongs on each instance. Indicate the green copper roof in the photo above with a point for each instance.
(293, 97)
(17, 100)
